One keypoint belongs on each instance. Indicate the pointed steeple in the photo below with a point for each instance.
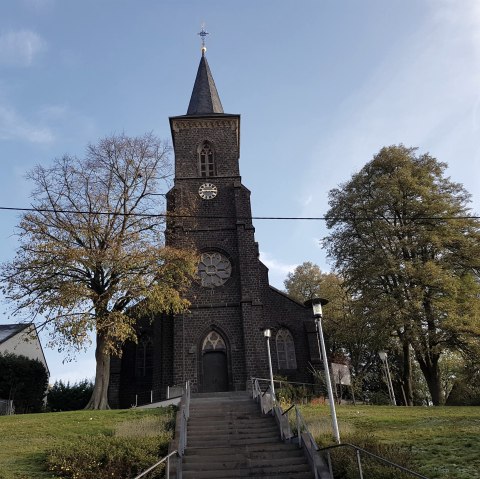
(204, 99)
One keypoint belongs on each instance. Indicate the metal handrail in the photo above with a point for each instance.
(151, 468)
(287, 382)
(301, 425)
(359, 450)
(182, 440)
(284, 424)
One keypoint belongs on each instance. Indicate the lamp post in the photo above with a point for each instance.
(391, 393)
(268, 334)
(316, 304)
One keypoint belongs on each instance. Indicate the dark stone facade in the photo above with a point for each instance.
(219, 344)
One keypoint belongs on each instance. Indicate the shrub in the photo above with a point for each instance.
(102, 457)
(133, 447)
(24, 380)
(66, 397)
(345, 464)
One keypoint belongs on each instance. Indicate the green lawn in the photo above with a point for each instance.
(24, 439)
(444, 441)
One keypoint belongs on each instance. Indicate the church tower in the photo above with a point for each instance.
(219, 344)
(226, 312)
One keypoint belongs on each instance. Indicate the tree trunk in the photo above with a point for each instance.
(431, 372)
(407, 374)
(435, 386)
(99, 399)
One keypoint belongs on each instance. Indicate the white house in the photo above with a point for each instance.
(22, 339)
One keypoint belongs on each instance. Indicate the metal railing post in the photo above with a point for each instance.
(299, 434)
(329, 461)
(359, 462)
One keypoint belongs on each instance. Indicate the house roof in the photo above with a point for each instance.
(9, 330)
(204, 99)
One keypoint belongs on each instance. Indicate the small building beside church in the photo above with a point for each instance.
(219, 344)
(22, 339)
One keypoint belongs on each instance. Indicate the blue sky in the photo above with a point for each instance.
(321, 86)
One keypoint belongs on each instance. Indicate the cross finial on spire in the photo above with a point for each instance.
(203, 33)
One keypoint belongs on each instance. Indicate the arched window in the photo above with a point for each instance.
(206, 160)
(213, 342)
(144, 358)
(285, 350)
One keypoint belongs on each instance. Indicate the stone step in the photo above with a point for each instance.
(221, 411)
(204, 419)
(224, 415)
(233, 456)
(231, 418)
(206, 401)
(231, 430)
(213, 408)
(250, 449)
(292, 472)
(228, 437)
(228, 403)
(235, 461)
(256, 423)
(273, 435)
(234, 433)
(223, 394)
(230, 441)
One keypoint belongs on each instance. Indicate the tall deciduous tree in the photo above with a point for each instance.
(92, 253)
(304, 282)
(348, 324)
(404, 242)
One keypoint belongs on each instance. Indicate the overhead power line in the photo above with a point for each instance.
(284, 218)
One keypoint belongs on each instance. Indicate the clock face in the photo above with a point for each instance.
(214, 269)
(207, 191)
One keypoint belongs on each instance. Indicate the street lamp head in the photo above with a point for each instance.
(383, 355)
(316, 304)
(267, 333)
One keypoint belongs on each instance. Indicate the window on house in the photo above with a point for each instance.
(207, 160)
(285, 350)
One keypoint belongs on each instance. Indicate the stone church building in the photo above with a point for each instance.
(219, 344)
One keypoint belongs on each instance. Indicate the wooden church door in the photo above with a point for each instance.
(214, 364)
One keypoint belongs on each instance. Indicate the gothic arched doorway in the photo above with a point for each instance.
(214, 363)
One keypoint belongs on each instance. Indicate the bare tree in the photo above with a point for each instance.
(92, 252)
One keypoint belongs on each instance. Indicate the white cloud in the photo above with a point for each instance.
(20, 48)
(14, 127)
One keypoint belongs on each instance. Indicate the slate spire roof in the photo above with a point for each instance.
(204, 99)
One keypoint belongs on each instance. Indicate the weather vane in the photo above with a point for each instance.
(203, 33)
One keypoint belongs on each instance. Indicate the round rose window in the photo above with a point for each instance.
(214, 269)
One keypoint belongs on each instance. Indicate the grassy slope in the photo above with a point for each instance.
(445, 442)
(25, 438)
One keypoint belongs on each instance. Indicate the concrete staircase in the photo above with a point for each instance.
(229, 437)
